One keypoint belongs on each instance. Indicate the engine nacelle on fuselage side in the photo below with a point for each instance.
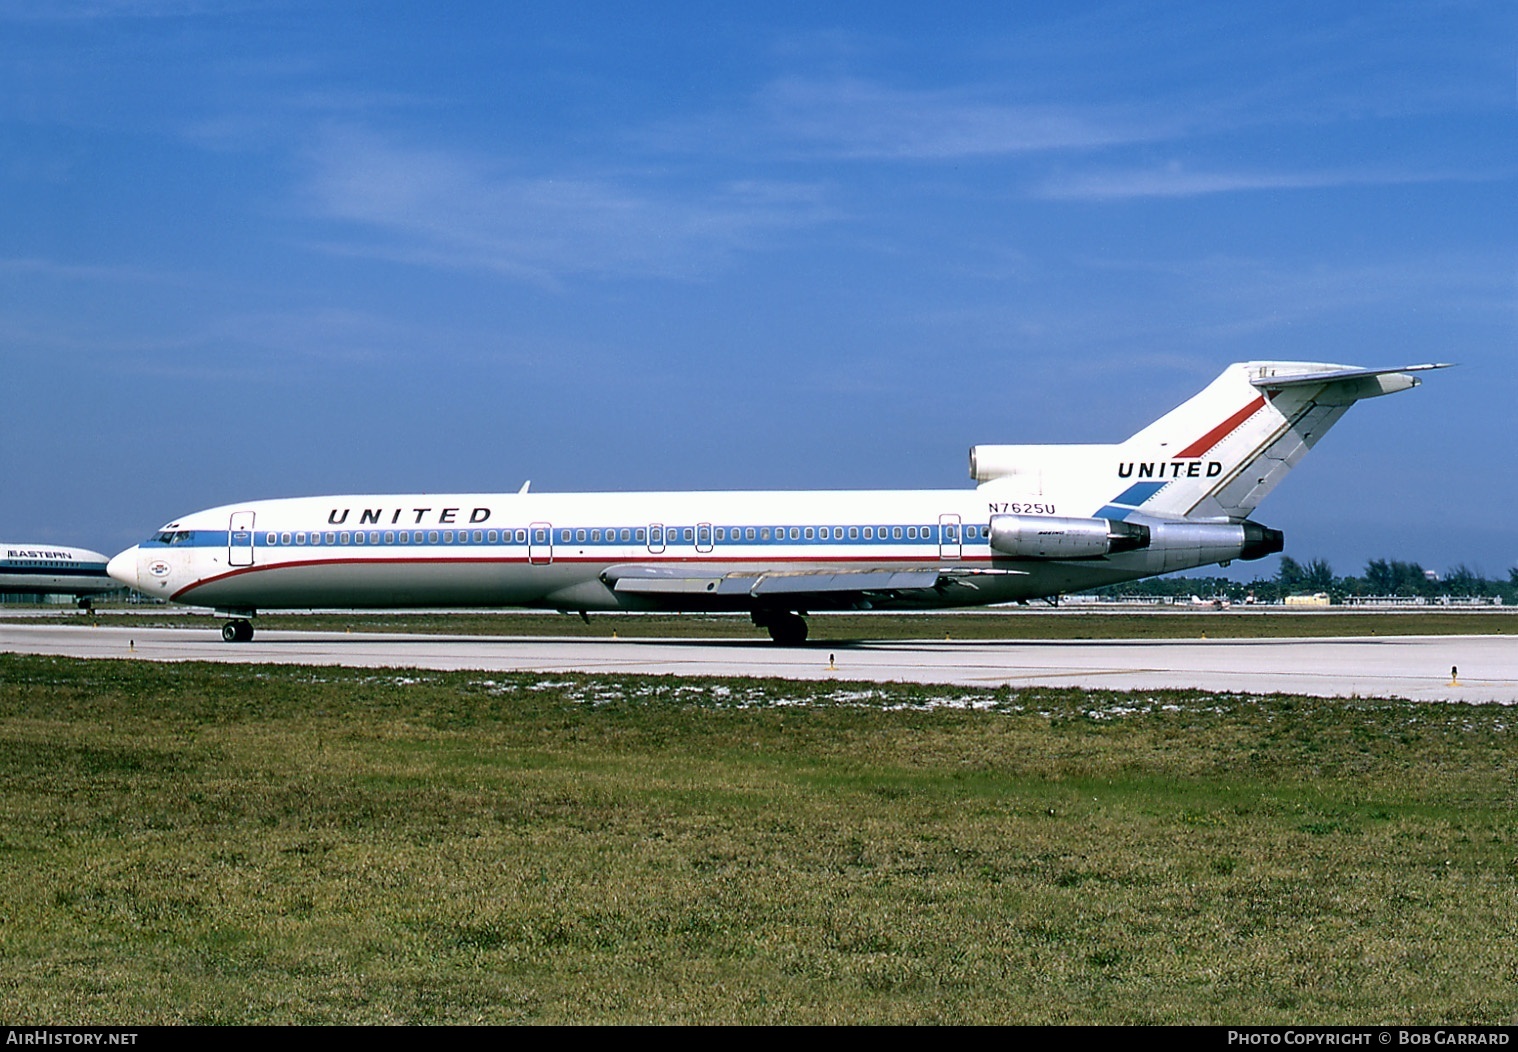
(1052, 537)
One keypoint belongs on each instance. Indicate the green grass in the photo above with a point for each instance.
(1032, 624)
(214, 844)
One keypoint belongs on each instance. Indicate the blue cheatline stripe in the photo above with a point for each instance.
(1127, 502)
(75, 570)
(1139, 492)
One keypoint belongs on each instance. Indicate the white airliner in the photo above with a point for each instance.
(52, 569)
(1044, 520)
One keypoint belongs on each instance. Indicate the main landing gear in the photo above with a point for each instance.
(786, 629)
(237, 631)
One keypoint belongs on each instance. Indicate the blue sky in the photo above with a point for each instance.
(273, 249)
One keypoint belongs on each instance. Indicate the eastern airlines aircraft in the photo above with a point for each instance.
(1043, 520)
(52, 569)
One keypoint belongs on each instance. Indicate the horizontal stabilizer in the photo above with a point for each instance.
(1273, 381)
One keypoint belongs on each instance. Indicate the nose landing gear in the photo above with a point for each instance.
(237, 631)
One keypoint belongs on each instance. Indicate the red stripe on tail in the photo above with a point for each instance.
(1217, 434)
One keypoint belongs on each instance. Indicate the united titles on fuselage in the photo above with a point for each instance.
(375, 516)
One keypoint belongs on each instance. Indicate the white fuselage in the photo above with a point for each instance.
(554, 550)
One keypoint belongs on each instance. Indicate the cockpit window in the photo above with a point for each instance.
(172, 537)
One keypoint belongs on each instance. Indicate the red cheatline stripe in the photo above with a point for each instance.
(1217, 434)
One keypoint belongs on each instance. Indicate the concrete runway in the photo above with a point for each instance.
(1416, 667)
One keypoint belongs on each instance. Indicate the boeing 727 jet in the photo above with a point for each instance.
(1043, 520)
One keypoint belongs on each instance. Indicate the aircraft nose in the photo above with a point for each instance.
(123, 567)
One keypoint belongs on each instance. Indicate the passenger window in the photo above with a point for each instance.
(853, 533)
(432, 536)
(269, 538)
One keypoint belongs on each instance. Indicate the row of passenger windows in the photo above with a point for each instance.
(42, 563)
(703, 535)
(396, 537)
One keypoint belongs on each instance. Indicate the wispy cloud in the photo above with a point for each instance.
(87, 10)
(1229, 298)
(31, 266)
(439, 208)
(855, 118)
(1179, 181)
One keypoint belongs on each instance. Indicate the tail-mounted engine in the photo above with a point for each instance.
(1181, 543)
(1049, 537)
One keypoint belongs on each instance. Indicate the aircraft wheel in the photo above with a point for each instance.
(237, 631)
(789, 630)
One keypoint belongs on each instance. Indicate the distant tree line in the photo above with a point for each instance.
(1381, 577)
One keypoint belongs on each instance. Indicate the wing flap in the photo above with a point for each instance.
(844, 581)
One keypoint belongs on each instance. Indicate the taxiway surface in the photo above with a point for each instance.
(1417, 667)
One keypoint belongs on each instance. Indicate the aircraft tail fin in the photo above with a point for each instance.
(1217, 455)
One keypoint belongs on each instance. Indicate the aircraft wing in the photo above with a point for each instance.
(790, 586)
(691, 581)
